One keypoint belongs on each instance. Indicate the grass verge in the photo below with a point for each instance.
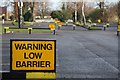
(25, 23)
(90, 28)
(26, 30)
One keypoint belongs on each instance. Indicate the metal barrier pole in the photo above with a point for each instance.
(104, 26)
(74, 27)
(117, 33)
(29, 30)
(54, 32)
(58, 27)
(5, 30)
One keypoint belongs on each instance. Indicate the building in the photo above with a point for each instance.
(3, 11)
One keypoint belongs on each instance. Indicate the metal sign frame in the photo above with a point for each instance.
(11, 40)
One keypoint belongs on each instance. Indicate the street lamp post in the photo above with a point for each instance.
(20, 18)
(19, 14)
(101, 5)
(43, 9)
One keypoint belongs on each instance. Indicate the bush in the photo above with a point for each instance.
(59, 15)
(3, 17)
(90, 28)
(28, 16)
(95, 28)
(12, 18)
(97, 14)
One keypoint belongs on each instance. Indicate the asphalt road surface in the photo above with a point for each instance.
(80, 53)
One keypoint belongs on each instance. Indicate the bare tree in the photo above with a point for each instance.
(35, 9)
(67, 9)
(6, 3)
(88, 8)
(44, 9)
(16, 10)
(112, 12)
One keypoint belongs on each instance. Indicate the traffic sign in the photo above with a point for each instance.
(52, 26)
(33, 55)
(60, 23)
(56, 21)
(119, 22)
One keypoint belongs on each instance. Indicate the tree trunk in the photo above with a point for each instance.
(35, 9)
(119, 9)
(16, 10)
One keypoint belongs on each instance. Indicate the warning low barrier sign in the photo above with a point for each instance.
(33, 55)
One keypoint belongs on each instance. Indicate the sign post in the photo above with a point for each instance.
(118, 29)
(52, 27)
(33, 56)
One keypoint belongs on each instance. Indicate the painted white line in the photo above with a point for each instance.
(99, 57)
(4, 71)
(57, 65)
(5, 64)
(56, 49)
(57, 58)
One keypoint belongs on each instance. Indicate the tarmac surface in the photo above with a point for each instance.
(80, 53)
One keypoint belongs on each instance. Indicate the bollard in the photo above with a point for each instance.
(89, 27)
(54, 32)
(107, 24)
(3, 21)
(66, 23)
(29, 30)
(58, 27)
(52, 27)
(5, 29)
(118, 29)
(77, 23)
(12, 32)
(94, 24)
(117, 33)
(104, 26)
(74, 27)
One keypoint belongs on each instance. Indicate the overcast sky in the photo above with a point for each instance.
(56, 3)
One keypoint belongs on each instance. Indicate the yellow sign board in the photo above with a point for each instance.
(56, 21)
(33, 55)
(60, 23)
(41, 75)
(52, 26)
(118, 27)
